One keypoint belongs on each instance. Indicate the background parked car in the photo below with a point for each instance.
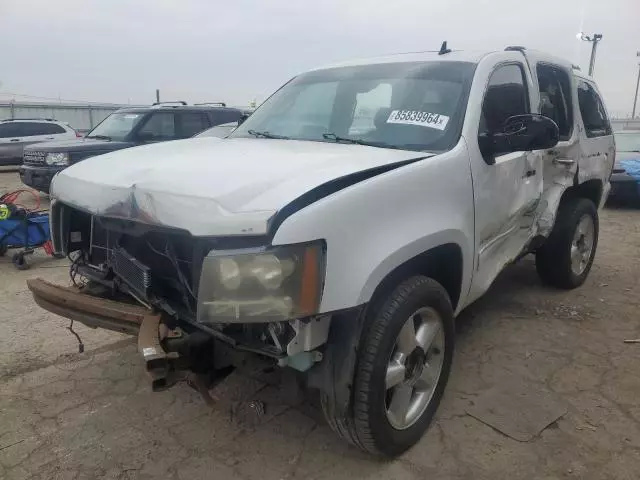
(124, 128)
(625, 179)
(219, 131)
(15, 134)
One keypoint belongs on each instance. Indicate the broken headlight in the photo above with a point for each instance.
(267, 285)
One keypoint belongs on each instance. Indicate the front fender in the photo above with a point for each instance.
(376, 225)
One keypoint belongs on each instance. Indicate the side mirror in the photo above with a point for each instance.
(520, 133)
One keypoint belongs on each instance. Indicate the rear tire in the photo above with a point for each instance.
(372, 424)
(565, 259)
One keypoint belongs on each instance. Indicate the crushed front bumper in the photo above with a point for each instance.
(97, 312)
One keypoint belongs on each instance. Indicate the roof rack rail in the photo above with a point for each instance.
(220, 104)
(30, 119)
(181, 102)
(515, 48)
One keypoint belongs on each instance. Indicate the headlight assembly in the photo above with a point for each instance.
(59, 158)
(268, 285)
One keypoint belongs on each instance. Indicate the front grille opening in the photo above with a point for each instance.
(34, 158)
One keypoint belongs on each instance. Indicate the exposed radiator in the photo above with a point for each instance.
(135, 274)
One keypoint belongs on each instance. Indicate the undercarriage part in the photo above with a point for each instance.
(93, 312)
(302, 361)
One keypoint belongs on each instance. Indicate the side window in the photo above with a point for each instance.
(8, 130)
(160, 126)
(505, 97)
(28, 129)
(52, 129)
(192, 123)
(594, 116)
(555, 97)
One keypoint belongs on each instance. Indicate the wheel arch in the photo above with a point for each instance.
(443, 263)
(591, 189)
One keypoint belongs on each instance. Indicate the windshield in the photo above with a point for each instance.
(116, 126)
(413, 106)
(628, 142)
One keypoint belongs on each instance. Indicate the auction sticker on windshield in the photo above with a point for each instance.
(414, 117)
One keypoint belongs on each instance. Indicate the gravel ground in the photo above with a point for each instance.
(65, 415)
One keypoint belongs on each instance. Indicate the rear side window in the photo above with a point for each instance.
(594, 116)
(192, 123)
(505, 97)
(555, 97)
(160, 126)
(52, 129)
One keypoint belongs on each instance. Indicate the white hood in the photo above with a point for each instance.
(211, 186)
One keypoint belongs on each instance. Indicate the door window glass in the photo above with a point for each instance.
(8, 130)
(505, 97)
(555, 97)
(192, 123)
(161, 126)
(594, 116)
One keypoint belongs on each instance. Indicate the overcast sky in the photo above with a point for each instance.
(237, 50)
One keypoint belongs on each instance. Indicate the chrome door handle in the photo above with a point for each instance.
(564, 161)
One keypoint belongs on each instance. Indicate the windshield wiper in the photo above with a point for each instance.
(358, 141)
(99, 137)
(266, 135)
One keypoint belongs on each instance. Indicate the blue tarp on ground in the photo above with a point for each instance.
(632, 167)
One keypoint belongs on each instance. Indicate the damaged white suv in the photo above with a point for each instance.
(340, 229)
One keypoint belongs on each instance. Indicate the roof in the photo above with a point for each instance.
(426, 56)
(471, 56)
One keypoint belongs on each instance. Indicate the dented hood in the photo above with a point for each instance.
(211, 186)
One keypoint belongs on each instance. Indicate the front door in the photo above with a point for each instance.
(508, 187)
(10, 144)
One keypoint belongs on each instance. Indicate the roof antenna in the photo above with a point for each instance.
(443, 49)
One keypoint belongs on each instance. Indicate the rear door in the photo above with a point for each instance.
(597, 145)
(557, 101)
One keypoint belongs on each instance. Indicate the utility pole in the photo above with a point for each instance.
(594, 40)
(635, 97)
(157, 95)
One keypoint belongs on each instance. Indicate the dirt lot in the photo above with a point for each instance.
(74, 416)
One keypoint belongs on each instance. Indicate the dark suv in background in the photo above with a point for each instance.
(124, 128)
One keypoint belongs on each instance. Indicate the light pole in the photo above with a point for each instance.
(635, 97)
(594, 39)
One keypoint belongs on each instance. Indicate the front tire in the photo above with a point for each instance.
(565, 259)
(403, 365)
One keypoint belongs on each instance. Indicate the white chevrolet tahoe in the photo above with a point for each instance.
(341, 228)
